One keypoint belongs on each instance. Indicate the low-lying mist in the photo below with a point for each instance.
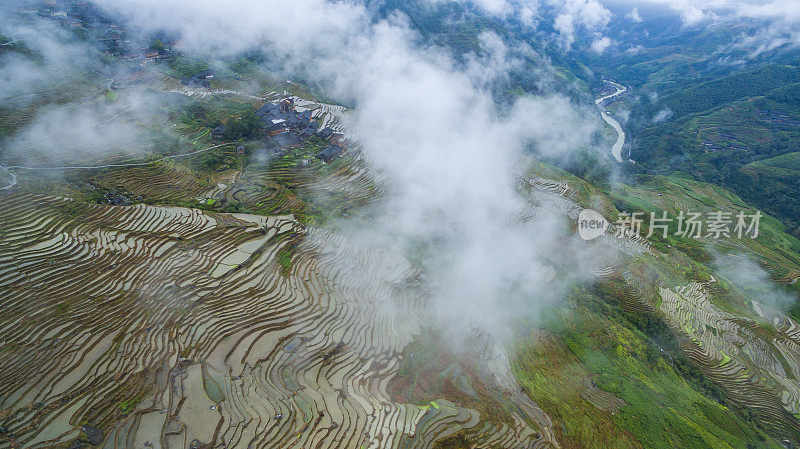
(433, 130)
(752, 280)
(428, 125)
(59, 101)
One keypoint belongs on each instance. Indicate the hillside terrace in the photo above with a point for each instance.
(778, 118)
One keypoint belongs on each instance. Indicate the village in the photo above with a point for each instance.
(290, 126)
(89, 23)
(284, 124)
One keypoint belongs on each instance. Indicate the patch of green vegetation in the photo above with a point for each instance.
(674, 194)
(783, 166)
(457, 441)
(285, 261)
(789, 94)
(555, 379)
(62, 307)
(664, 407)
(739, 145)
(183, 66)
(309, 216)
(128, 405)
(302, 157)
(703, 96)
(247, 124)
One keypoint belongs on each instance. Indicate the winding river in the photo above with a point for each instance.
(616, 150)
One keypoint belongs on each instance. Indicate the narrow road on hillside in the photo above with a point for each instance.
(91, 167)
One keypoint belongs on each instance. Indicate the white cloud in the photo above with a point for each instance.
(589, 15)
(662, 115)
(635, 50)
(58, 57)
(524, 10)
(634, 15)
(450, 160)
(751, 280)
(498, 7)
(785, 11)
(779, 24)
(565, 25)
(691, 11)
(600, 45)
(781, 27)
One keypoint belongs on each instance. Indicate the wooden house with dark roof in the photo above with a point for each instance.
(325, 133)
(219, 132)
(330, 152)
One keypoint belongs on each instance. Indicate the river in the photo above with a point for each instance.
(616, 150)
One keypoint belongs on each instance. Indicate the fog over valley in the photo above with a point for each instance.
(399, 224)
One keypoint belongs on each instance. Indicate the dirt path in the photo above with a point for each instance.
(90, 167)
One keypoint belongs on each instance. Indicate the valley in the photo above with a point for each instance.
(361, 225)
(616, 150)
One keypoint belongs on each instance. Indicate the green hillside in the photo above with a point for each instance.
(702, 96)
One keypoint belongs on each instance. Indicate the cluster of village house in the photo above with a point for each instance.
(82, 15)
(69, 14)
(282, 118)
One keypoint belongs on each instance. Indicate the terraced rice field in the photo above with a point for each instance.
(752, 353)
(61, 88)
(326, 115)
(172, 327)
(163, 181)
(169, 327)
(87, 132)
(754, 368)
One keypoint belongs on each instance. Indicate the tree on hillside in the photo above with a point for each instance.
(245, 125)
(158, 46)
